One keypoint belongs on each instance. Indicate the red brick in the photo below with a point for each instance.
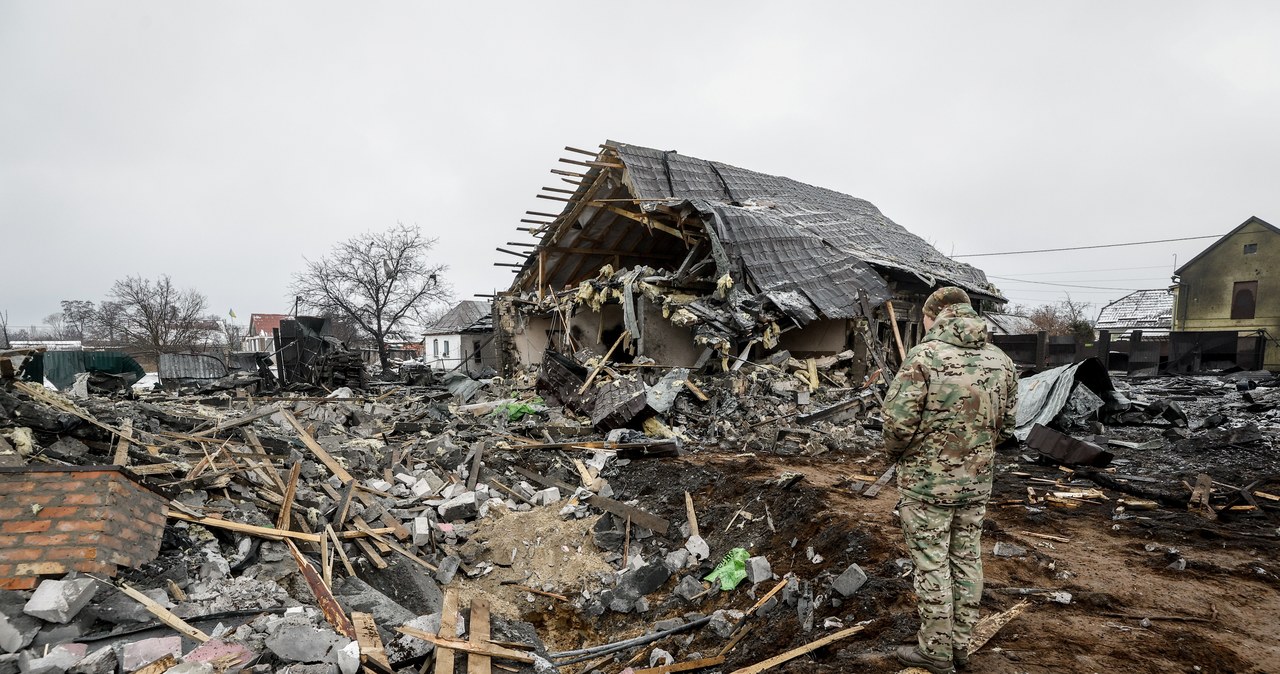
(85, 499)
(9, 541)
(40, 569)
(71, 485)
(17, 583)
(16, 486)
(20, 527)
(43, 498)
(59, 512)
(80, 525)
(47, 540)
(70, 554)
(95, 567)
(7, 514)
(23, 554)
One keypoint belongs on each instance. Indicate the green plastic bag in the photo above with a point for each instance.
(517, 411)
(731, 570)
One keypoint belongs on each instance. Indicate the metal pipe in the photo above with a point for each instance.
(588, 653)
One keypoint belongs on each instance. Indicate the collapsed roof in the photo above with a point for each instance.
(810, 251)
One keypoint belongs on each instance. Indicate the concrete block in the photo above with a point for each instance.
(346, 657)
(758, 570)
(448, 569)
(688, 588)
(101, 661)
(546, 496)
(58, 601)
(139, 653)
(17, 629)
(421, 530)
(59, 659)
(850, 581)
(354, 594)
(460, 507)
(1003, 549)
(404, 647)
(302, 643)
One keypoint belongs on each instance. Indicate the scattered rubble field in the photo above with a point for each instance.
(722, 526)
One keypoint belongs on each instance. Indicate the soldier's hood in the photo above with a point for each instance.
(959, 325)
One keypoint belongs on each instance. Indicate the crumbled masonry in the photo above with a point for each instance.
(552, 541)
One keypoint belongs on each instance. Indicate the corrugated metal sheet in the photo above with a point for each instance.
(1042, 396)
(191, 366)
(61, 367)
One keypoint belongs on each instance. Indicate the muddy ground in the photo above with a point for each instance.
(1162, 590)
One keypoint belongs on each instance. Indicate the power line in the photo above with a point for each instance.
(1105, 245)
(1062, 285)
(1088, 271)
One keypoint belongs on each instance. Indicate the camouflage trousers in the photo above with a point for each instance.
(945, 544)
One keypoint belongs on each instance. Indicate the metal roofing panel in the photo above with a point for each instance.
(191, 366)
(846, 227)
(1139, 309)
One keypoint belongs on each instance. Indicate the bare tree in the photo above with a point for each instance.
(1067, 317)
(158, 317)
(378, 280)
(108, 321)
(55, 328)
(77, 316)
(234, 333)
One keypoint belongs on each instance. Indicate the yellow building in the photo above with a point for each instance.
(1234, 285)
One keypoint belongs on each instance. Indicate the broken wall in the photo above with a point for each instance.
(823, 337)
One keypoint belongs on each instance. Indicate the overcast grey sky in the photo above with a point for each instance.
(221, 142)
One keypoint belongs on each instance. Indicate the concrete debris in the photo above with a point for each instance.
(850, 581)
(59, 601)
(572, 509)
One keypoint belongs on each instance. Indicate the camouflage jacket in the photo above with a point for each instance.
(951, 403)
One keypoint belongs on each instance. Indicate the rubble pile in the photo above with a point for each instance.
(550, 520)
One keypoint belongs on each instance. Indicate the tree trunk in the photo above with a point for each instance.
(381, 342)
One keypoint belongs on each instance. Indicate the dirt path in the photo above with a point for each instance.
(1115, 571)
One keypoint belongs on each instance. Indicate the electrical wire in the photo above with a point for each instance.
(1061, 285)
(1104, 245)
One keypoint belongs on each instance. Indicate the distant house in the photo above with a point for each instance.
(1233, 286)
(461, 339)
(1009, 324)
(1150, 311)
(261, 326)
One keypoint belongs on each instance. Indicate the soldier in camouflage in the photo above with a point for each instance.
(951, 403)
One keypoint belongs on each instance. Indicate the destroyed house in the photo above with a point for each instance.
(1232, 291)
(680, 259)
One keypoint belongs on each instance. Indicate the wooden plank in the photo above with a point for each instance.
(988, 626)
(479, 663)
(329, 606)
(242, 421)
(692, 515)
(395, 547)
(689, 666)
(371, 554)
(344, 505)
(362, 525)
(164, 615)
(342, 553)
(371, 648)
(797, 652)
(122, 448)
(645, 519)
(265, 532)
(164, 664)
(474, 474)
(290, 490)
(880, 483)
(599, 366)
(448, 629)
(490, 649)
(319, 452)
(326, 562)
(897, 336)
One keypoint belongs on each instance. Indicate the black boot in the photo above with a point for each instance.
(910, 656)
